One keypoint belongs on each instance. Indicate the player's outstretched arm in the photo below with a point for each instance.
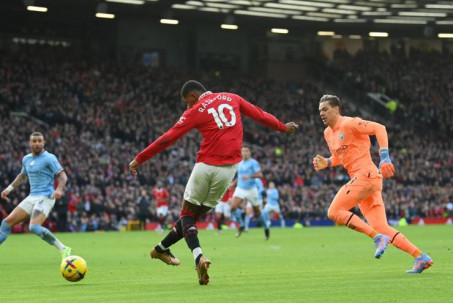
(21, 178)
(373, 128)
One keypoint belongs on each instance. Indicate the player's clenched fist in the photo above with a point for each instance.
(319, 162)
(387, 169)
(133, 168)
(291, 127)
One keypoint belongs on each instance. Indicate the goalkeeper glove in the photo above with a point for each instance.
(385, 166)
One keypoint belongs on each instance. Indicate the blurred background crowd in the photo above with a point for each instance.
(96, 115)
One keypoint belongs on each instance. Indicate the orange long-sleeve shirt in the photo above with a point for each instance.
(349, 144)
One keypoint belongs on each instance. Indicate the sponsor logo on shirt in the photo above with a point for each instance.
(32, 163)
(341, 149)
(341, 136)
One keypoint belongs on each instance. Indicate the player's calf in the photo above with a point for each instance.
(5, 230)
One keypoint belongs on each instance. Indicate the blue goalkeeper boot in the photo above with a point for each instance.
(381, 242)
(422, 262)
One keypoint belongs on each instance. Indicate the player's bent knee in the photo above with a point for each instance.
(332, 214)
(338, 215)
(36, 229)
(190, 229)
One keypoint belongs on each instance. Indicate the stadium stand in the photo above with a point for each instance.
(96, 114)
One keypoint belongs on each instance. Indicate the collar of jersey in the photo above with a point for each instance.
(339, 122)
(204, 94)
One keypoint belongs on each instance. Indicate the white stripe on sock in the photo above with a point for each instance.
(196, 252)
(59, 245)
(161, 246)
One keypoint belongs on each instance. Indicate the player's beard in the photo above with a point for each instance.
(37, 150)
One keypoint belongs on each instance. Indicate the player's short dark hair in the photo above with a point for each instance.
(192, 86)
(332, 99)
(247, 146)
(36, 134)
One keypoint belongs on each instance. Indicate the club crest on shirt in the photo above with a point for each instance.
(32, 163)
(341, 136)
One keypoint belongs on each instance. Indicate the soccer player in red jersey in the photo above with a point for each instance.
(218, 118)
(162, 196)
(349, 143)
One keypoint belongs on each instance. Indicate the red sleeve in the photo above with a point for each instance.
(183, 126)
(166, 194)
(260, 115)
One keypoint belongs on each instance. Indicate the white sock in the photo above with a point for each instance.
(161, 246)
(59, 245)
(196, 252)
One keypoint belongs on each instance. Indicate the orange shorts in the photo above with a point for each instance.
(364, 190)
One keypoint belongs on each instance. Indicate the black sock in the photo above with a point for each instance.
(190, 232)
(173, 236)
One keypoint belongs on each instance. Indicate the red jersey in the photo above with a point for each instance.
(218, 117)
(161, 195)
(229, 193)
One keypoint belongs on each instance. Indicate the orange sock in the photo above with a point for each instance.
(359, 225)
(401, 242)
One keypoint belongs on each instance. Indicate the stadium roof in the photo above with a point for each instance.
(348, 16)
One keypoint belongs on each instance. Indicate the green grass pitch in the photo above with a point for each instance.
(295, 265)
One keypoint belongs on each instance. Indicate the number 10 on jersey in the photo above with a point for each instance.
(220, 118)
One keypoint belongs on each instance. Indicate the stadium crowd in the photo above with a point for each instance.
(96, 115)
(420, 81)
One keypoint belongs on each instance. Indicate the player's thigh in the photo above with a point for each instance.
(197, 187)
(221, 179)
(238, 196)
(352, 193)
(41, 209)
(252, 196)
(373, 209)
(16, 216)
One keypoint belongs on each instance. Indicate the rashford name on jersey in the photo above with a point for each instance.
(218, 118)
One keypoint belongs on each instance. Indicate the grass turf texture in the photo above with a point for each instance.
(295, 265)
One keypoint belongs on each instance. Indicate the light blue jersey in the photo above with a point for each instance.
(272, 197)
(41, 171)
(260, 187)
(247, 168)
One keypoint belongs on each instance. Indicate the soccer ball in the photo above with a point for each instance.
(73, 268)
